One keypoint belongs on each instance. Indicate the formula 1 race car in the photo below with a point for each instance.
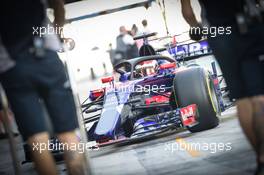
(151, 94)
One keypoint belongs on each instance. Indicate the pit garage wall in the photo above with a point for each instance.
(101, 31)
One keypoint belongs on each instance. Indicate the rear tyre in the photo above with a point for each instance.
(195, 86)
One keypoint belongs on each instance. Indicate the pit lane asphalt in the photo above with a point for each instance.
(162, 156)
(159, 156)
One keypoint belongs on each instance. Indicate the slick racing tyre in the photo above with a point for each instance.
(195, 86)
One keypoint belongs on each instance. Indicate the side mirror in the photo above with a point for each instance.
(107, 79)
(167, 66)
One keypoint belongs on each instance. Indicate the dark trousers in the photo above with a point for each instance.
(35, 80)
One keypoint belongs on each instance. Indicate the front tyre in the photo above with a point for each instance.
(195, 86)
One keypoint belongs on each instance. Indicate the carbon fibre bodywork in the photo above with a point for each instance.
(132, 107)
(127, 112)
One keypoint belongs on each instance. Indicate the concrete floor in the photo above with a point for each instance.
(171, 154)
(163, 156)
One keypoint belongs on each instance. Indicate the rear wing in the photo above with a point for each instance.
(190, 51)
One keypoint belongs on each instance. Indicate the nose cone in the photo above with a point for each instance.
(108, 123)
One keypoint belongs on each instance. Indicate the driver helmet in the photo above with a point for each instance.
(147, 68)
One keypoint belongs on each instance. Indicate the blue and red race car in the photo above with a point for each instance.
(151, 94)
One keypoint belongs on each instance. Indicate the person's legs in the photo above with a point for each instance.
(74, 159)
(229, 55)
(59, 101)
(44, 162)
(245, 115)
(28, 112)
(252, 71)
(251, 117)
(31, 123)
(258, 121)
(239, 58)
